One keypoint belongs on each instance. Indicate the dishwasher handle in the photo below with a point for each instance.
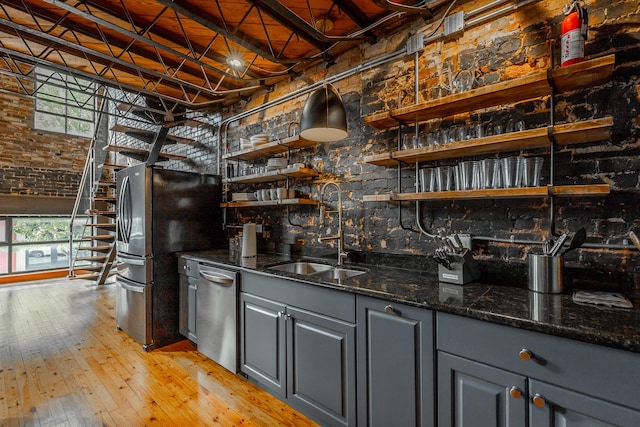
(220, 278)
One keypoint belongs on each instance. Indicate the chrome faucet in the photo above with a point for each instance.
(342, 255)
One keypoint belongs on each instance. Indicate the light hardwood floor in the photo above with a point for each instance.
(64, 363)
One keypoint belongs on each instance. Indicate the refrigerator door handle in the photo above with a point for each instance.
(127, 284)
(124, 217)
(218, 278)
(131, 260)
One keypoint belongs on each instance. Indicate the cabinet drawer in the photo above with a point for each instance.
(332, 303)
(599, 371)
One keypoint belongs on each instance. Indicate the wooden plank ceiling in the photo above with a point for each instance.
(179, 52)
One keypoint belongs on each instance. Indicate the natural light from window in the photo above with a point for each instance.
(64, 104)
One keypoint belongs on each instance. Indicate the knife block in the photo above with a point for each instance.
(463, 269)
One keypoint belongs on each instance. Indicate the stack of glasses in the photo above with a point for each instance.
(508, 172)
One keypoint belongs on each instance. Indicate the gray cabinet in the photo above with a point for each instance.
(262, 342)
(396, 374)
(188, 270)
(492, 375)
(475, 394)
(298, 342)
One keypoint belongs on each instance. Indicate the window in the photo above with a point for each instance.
(33, 244)
(64, 104)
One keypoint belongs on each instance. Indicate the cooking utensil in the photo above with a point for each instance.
(558, 245)
(577, 241)
(634, 239)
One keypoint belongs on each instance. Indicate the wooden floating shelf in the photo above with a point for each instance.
(499, 193)
(275, 175)
(133, 132)
(270, 148)
(565, 134)
(577, 76)
(252, 204)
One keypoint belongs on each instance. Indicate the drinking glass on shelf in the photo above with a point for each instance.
(465, 175)
(486, 168)
(406, 142)
(511, 171)
(479, 130)
(520, 126)
(476, 180)
(427, 180)
(443, 178)
(498, 129)
(531, 171)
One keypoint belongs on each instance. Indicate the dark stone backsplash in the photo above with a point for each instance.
(387, 231)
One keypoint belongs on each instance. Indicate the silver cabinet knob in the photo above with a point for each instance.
(388, 309)
(281, 314)
(515, 392)
(525, 354)
(539, 401)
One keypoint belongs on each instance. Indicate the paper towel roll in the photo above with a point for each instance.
(249, 249)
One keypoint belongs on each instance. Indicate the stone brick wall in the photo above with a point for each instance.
(35, 163)
(512, 45)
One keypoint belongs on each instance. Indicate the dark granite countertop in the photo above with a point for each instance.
(516, 306)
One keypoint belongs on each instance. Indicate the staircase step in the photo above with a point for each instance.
(105, 199)
(99, 248)
(110, 214)
(148, 136)
(96, 267)
(105, 225)
(100, 258)
(102, 237)
(88, 276)
(141, 155)
(104, 183)
(111, 166)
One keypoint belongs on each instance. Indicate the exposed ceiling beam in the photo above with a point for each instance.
(137, 37)
(298, 25)
(212, 23)
(354, 12)
(103, 59)
(399, 7)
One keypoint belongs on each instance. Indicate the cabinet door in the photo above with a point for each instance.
(262, 342)
(192, 293)
(395, 364)
(183, 313)
(559, 407)
(474, 394)
(321, 369)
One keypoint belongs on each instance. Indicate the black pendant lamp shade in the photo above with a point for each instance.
(324, 117)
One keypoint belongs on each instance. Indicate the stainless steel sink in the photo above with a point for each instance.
(338, 273)
(302, 267)
(323, 271)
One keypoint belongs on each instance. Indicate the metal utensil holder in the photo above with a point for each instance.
(463, 269)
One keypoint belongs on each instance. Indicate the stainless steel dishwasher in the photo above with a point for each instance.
(217, 315)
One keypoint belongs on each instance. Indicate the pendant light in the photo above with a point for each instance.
(324, 117)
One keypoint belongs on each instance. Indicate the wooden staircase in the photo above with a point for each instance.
(96, 251)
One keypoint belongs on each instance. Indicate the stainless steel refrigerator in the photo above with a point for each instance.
(160, 212)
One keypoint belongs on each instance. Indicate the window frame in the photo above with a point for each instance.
(59, 104)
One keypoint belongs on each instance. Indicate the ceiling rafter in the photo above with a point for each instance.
(137, 37)
(214, 24)
(298, 25)
(179, 50)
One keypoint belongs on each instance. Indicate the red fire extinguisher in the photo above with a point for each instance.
(574, 34)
